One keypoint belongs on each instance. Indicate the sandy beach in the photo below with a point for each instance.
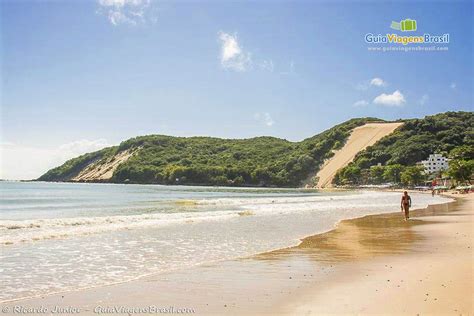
(390, 267)
(377, 264)
(236, 158)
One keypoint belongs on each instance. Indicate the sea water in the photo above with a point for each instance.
(63, 236)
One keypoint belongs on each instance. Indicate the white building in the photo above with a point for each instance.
(435, 163)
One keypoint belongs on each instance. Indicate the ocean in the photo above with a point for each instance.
(63, 236)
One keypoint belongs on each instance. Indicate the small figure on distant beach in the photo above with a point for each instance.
(405, 204)
(434, 183)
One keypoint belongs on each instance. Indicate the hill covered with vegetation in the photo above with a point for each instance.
(259, 161)
(394, 157)
(270, 161)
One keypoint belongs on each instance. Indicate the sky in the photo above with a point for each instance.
(77, 76)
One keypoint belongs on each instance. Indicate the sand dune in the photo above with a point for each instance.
(104, 170)
(361, 138)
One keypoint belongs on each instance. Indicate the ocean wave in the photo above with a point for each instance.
(33, 230)
(287, 199)
(188, 211)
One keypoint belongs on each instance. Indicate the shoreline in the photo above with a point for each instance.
(427, 270)
(256, 263)
(311, 239)
(298, 242)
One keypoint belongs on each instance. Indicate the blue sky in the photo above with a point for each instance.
(80, 75)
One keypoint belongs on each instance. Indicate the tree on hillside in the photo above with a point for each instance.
(352, 175)
(465, 152)
(461, 170)
(412, 175)
(376, 174)
(392, 173)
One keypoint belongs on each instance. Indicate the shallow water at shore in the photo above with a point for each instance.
(83, 235)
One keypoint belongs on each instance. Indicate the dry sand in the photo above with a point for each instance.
(360, 138)
(372, 265)
(97, 171)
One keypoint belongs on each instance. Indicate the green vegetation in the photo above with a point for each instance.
(269, 161)
(461, 170)
(412, 175)
(394, 157)
(461, 164)
(72, 167)
(260, 161)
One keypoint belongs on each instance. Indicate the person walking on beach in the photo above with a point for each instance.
(405, 204)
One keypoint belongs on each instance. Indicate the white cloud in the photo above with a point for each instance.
(19, 162)
(424, 99)
(378, 82)
(232, 55)
(360, 103)
(394, 99)
(264, 118)
(127, 11)
(453, 85)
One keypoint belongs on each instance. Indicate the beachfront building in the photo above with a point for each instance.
(435, 163)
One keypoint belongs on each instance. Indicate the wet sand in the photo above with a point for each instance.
(391, 267)
(377, 264)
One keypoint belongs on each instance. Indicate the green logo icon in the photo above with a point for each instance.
(407, 25)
